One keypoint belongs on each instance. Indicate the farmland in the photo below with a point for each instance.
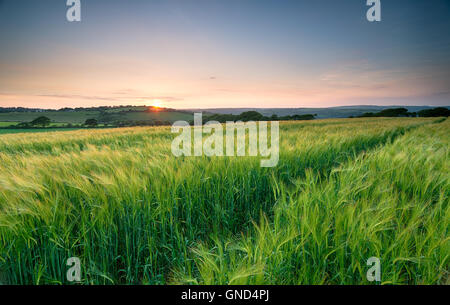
(33, 130)
(344, 190)
(79, 117)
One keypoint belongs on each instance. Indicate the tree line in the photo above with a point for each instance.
(256, 116)
(403, 112)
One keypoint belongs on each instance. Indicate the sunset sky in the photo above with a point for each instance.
(227, 53)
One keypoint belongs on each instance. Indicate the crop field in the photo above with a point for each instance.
(33, 130)
(344, 190)
(79, 117)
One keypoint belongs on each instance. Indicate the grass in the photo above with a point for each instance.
(33, 130)
(7, 124)
(79, 117)
(343, 191)
(12, 123)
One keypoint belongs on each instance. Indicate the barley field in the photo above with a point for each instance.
(344, 190)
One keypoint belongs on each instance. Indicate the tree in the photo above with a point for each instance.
(393, 112)
(436, 112)
(91, 122)
(41, 121)
(390, 112)
(251, 116)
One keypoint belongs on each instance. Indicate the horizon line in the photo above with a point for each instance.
(212, 108)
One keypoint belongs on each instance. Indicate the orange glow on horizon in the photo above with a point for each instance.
(156, 104)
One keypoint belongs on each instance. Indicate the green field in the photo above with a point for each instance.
(79, 117)
(32, 130)
(343, 191)
(54, 116)
(7, 124)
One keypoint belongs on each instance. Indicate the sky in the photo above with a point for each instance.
(224, 53)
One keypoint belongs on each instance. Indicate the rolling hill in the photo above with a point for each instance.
(322, 113)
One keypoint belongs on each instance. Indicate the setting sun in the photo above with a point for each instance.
(156, 103)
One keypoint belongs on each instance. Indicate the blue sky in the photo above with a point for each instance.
(217, 53)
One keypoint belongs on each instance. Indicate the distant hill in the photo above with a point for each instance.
(322, 113)
(147, 115)
(104, 115)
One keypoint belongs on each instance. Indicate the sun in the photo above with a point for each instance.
(157, 103)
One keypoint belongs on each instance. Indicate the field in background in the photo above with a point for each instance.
(322, 113)
(79, 117)
(33, 130)
(343, 191)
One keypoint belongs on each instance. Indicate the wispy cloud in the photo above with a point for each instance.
(114, 98)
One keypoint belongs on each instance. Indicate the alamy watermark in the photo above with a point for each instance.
(74, 272)
(374, 272)
(74, 10)
(374, 12)
(235, 139)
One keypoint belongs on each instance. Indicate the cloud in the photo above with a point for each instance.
(75, 96)
(123, 91)
(114, 98)
(443, 93)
